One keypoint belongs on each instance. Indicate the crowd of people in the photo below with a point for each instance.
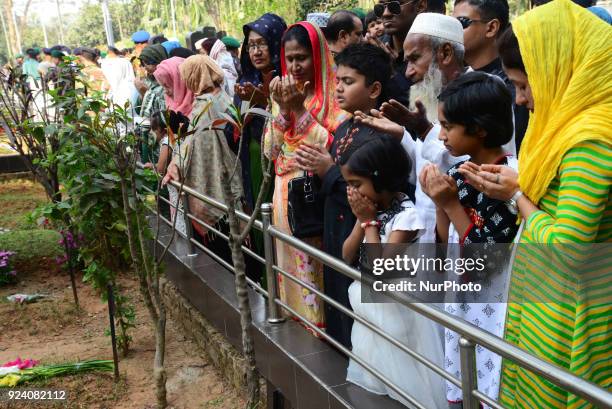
(405, 125)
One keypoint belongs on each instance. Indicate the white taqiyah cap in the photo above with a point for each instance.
(438, 25)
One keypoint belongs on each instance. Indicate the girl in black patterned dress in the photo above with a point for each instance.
(475, 112)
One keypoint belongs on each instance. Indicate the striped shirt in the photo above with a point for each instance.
(559, 307)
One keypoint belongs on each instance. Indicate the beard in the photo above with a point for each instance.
(427, 92)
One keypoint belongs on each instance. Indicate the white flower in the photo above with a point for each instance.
(496, 218)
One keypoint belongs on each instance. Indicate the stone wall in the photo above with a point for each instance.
(212, 346)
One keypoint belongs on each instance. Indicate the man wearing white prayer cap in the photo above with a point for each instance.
(433, 51)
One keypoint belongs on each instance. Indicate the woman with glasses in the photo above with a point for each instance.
(260, 61)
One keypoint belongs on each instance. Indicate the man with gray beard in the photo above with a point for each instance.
(433, 51)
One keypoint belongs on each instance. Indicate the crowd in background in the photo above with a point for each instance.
(410, 125)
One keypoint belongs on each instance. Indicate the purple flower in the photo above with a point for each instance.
(12, 273)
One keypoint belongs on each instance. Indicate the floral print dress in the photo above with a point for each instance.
(492, 223)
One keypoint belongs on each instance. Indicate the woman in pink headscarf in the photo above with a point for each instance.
(178, 97)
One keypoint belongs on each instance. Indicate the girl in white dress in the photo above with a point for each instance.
(375, 173)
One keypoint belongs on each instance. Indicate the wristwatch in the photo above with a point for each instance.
(512, 203)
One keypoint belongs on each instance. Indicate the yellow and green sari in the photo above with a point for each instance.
(560, 299)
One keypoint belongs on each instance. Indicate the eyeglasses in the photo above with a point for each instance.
(466, 21)
(395, 7)
(257, 46)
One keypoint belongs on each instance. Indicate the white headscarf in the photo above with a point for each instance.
(224, 59)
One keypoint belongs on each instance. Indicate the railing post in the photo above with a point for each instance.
(274, 315)
(467, 354)
(188, 226)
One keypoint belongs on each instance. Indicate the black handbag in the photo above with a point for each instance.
(305, 206)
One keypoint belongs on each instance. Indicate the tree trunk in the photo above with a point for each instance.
(23, 20)
(8, 18)
(248, 346)
(159, 372)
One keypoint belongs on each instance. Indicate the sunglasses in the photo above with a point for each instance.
(466, 21)
(394, 7)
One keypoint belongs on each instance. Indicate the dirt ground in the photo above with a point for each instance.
(53, 331)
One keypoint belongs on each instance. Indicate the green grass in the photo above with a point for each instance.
(31, 245)
(18, 198)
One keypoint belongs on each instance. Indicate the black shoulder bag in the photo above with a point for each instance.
(305, 206)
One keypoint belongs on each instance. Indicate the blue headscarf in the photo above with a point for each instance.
(271, 27)
(602, 13)
(170, 45)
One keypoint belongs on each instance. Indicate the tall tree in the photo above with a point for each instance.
(8, 19)
(88, 28)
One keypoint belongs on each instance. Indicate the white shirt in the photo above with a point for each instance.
(423, 152)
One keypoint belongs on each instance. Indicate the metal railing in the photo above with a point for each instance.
(470, 335)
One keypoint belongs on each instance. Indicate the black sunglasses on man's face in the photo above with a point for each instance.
(466, 21)
(395, 7)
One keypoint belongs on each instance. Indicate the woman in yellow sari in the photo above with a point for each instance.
(306, 112)
(558, 56)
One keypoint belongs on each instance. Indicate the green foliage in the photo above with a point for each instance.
(309, 6)
(92, 138)
(88, 28)
(33, 35)
(32, 245)
(228, 15)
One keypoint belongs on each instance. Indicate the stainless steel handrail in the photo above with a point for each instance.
(470, 334)
(426, 362)
(553, 373)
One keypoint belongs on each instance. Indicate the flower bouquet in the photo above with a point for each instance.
(51, 371)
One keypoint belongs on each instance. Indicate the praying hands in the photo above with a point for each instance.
(378, 121)
(289, 94)
(496, 181)
(249, 92)
(415, 122)
(441, 188)
(363, 208)
(313, 158)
